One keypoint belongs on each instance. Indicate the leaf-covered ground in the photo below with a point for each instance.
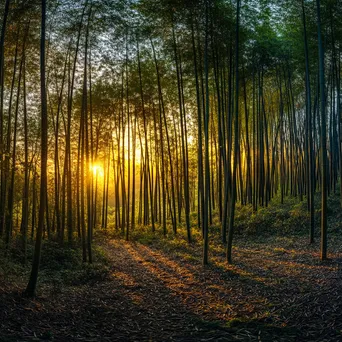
(157, 290)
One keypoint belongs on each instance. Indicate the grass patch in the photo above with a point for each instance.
(59, 266)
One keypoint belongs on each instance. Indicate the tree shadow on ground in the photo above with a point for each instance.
(154, 296)
(135, 304)
(299, 291)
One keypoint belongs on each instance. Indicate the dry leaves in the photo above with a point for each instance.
(270, 294)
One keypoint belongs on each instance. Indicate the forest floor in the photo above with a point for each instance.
(155, 289)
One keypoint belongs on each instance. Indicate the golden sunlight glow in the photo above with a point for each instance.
(97, 170)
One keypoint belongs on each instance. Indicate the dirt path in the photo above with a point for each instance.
(269, 295)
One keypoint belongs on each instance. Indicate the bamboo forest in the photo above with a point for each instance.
(170, 170)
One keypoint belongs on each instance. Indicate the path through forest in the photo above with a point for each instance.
(270, 294)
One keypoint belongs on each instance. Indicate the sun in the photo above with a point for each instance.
(97, 170)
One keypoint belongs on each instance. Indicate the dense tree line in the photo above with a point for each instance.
(148, 111)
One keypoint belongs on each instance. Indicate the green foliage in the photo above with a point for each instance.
(56, 258)
(289, 218)
(63, 265)
(60, 265)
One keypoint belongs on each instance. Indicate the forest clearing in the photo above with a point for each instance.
(170, 170)
(155, 289)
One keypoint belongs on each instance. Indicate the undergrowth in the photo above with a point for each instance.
(63, 264)
(278, 220)
(59, 265)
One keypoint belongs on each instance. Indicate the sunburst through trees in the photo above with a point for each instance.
(164, 114)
